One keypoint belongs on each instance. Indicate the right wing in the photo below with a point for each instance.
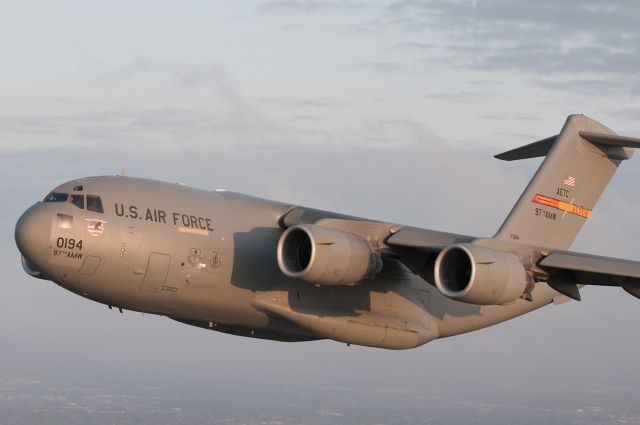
(418, 248)
(568, 269)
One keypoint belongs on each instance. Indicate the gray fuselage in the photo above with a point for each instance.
(208, 258)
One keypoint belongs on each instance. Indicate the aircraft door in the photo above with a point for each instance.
(157, 270)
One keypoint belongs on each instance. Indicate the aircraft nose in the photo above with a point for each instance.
(32, 233)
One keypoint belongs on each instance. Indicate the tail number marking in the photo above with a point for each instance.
(69, 243)
(68, 248)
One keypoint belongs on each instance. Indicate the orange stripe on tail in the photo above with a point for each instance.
(561, 205)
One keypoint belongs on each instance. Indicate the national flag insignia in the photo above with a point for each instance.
(569, 181)
(95, 227)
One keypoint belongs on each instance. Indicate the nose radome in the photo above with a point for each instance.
(32, 234)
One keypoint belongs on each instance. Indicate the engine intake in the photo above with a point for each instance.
(326, 256)
(477, 275)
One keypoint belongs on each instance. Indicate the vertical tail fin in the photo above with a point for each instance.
(579, 163)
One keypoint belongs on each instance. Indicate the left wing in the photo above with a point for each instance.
(423, 239)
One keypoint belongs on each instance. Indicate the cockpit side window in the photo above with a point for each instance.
(56, 197)
(77, 200)
(94, 204)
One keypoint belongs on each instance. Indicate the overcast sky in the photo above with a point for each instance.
(388, 110)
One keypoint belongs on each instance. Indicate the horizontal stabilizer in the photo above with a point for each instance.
(542, 147)
(610, 139)
(532, 150)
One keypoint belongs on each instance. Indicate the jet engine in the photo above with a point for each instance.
(326, 256)
(477, 275)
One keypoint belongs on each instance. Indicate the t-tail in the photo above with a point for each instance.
(579, 163)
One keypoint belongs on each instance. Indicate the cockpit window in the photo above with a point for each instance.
(94, 204)
(56, 197)
(77, 200)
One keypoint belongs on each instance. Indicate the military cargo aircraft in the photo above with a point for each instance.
(264, 269)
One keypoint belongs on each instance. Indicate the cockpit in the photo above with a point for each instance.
(93, 202)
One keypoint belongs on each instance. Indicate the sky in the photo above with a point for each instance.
(388, 110)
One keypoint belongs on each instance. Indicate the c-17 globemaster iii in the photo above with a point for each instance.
(253, 267)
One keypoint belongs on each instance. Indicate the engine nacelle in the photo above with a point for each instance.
(326, 256)
(477, 275)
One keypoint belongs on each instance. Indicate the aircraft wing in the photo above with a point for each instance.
(417, 248)
(588, 263)
(303, 215)
(396, 236)
(568, 269)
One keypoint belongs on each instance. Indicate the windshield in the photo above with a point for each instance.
(56, 197)
(77, 200)
(94, 204)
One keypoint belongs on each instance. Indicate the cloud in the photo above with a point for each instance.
(201, 106)
(386, 67)
(461, 96)
(631, 114)
(526, 35)
(513, 116)
(142, 127)
(586, 86)
(616, 19)
(301, 102)
(413, 46)
(307, 6)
